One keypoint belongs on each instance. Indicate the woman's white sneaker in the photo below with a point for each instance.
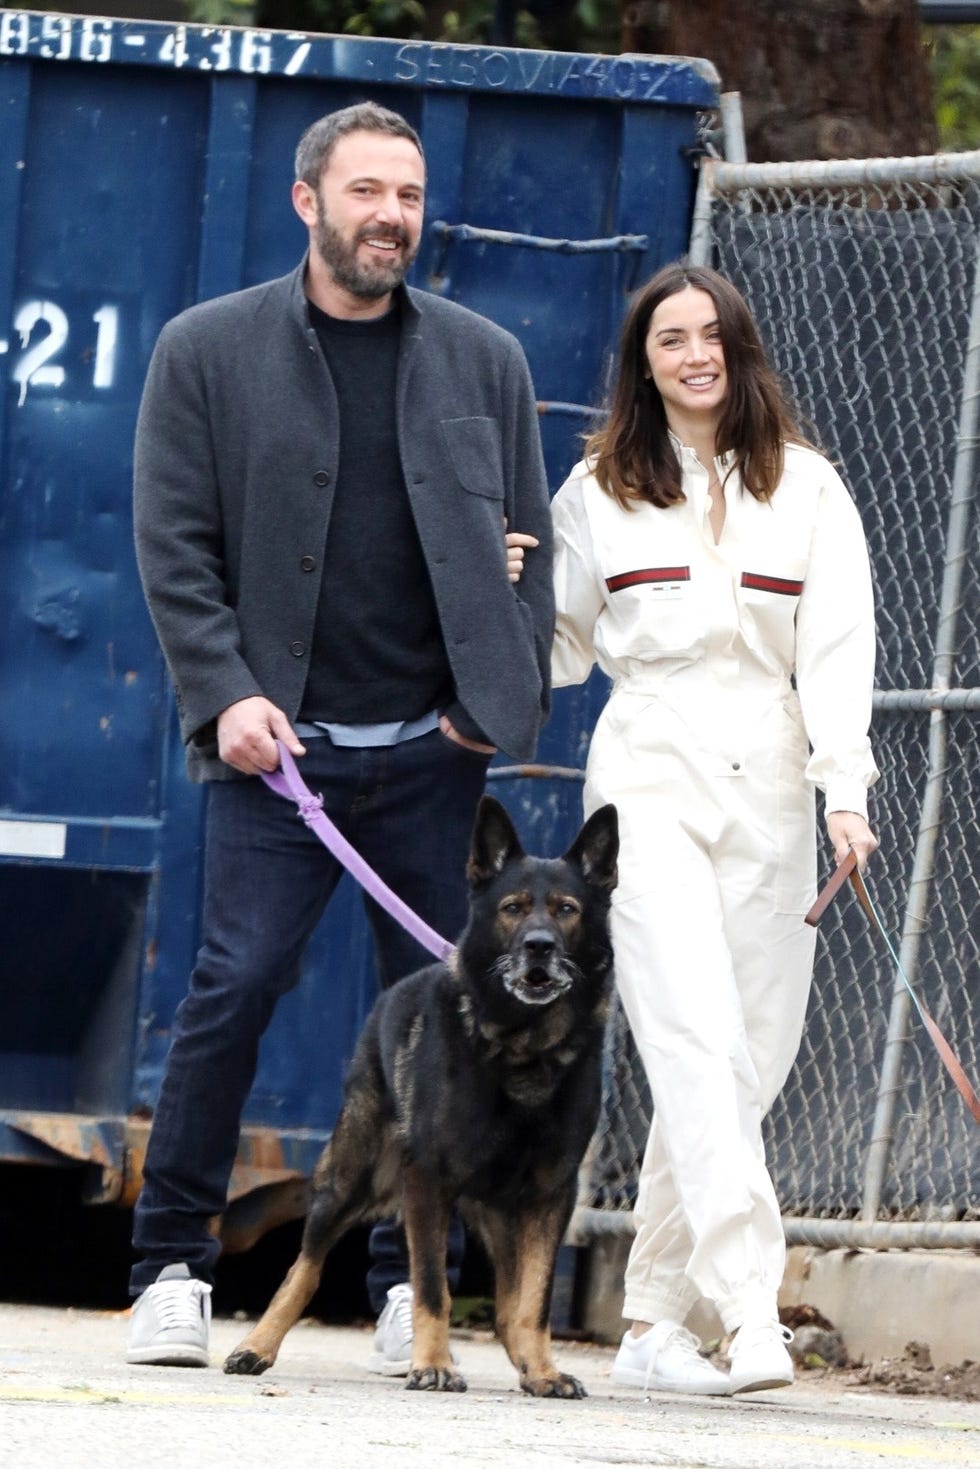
(666, 1359)
(759, 1357)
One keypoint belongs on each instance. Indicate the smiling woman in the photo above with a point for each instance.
(700, 546)
(687, 362)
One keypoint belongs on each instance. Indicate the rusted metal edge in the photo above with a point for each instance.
(269, 1181)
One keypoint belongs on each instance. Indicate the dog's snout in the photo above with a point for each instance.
(539, 943)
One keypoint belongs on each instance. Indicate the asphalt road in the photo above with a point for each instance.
(68, 1400)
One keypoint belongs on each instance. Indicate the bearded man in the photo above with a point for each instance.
(324, 468)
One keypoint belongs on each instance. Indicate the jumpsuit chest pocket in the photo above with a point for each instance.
(769, 592)
(653, 606)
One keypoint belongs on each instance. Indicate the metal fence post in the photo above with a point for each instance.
(699, 251)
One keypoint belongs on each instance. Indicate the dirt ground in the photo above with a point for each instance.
(913, 1373)
(820, 1355)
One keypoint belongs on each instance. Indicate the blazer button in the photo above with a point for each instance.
(321, 477)
(297, 650)
(307, 563)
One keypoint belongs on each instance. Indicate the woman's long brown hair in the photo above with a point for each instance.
(632, 456)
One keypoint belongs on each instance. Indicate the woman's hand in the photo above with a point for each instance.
(850, 832)
(516, 543)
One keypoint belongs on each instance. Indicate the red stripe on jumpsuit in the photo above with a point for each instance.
(651, 574)
(779, 584)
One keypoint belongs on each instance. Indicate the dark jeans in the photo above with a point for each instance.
(408, 809)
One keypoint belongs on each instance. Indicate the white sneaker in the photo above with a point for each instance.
(759, 1357)
(392, 1355)
(666, 1359)
(171, 1321)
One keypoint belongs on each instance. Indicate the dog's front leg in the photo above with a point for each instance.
(426, 1227)
(524, 1264)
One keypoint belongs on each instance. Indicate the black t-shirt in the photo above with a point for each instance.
(378, 651)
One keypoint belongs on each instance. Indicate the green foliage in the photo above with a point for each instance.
(466, 24)
(383, 18)
(955, 55)
(221, 12)
(588, 25)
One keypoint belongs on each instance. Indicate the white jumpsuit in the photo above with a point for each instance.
(705, 748)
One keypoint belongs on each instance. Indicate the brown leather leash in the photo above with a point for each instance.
(849, 869)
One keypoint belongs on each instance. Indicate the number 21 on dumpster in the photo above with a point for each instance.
(48, 350)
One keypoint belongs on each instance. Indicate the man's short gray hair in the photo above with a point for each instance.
(321, 137)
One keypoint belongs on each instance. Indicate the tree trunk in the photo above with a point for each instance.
(818, 78)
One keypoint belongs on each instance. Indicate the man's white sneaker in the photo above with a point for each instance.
(759, 1357)
(666, 1359)
(171, 1321)
(392, 1354)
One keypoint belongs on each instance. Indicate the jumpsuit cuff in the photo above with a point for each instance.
(844, 793)
(653, 1305)
(752, 1303)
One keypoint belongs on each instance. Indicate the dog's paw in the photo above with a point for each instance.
(245, 1363)
(562, 1385)
(435, 1379)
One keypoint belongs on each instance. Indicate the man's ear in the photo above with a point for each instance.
(305, 202)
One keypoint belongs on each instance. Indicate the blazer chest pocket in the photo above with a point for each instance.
(474, 448)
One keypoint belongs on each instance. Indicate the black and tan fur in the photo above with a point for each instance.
(476, 1082)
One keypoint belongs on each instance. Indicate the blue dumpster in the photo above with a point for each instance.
(144, 167)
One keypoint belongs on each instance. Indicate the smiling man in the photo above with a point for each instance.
(324, 467)
(364, 213)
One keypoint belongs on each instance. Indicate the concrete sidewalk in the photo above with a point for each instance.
(67, 1398)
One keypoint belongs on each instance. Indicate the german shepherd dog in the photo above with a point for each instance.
(476, 1080)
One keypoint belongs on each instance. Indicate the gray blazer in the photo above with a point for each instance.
(236, 458)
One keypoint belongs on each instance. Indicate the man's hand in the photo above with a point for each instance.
(453, 734)
(516, 543)
(847, 830)
(247, 734)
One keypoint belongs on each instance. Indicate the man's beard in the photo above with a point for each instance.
(369, 280)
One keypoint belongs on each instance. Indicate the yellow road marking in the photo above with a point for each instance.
(12, 1393)
(881, 1448)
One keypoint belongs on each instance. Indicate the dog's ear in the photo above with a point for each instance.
(494, 842)
(596, 848)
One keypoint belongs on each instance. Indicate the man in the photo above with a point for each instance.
(324, 468)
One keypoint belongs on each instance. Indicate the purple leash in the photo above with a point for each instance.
(287, 782)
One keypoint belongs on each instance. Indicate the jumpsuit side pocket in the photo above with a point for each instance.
(796, 879)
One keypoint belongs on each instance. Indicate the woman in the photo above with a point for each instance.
(705, 554)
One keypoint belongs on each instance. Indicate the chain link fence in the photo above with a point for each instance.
(864, 279)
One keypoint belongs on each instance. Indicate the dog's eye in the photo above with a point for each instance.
(512, 908)
(567, 909)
